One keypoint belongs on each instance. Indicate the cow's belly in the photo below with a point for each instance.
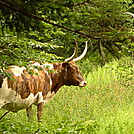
(14, 103)
(11, 100)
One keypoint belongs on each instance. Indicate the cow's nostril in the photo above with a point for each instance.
(83, 83)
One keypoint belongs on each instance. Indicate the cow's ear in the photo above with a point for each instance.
(65, 65)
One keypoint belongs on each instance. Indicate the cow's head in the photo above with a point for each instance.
(72, 74)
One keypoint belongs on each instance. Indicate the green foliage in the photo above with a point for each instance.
(104, 22)
(125, 72)
(14, 51)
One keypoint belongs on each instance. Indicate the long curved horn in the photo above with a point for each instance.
(130, 14)
(83, 54)
(74, 54)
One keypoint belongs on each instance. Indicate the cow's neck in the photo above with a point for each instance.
(57, 78)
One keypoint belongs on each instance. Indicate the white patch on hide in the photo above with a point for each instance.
(49, 78)
(48, 66)
(17, 71)
(40, 98)
(3, 92)
(35, 63)
(49, 96)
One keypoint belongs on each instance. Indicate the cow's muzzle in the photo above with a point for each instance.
(82, 84)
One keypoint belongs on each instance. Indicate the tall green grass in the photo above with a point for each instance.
(104, 106)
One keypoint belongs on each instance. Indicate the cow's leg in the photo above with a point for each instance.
(29, 112)
(39, 115)
(39, 111)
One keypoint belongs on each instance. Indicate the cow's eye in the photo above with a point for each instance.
(79, 77)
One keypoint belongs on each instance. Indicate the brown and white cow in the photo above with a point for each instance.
(24, 89)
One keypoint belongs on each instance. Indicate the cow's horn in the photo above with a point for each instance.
(130, 14)
(74, 54)
(83, 54)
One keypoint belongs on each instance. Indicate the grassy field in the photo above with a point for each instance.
(104, 106)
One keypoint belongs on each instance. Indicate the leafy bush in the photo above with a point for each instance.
(125, 71)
